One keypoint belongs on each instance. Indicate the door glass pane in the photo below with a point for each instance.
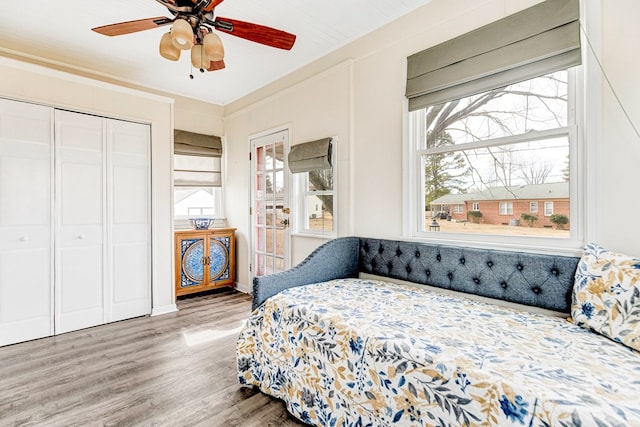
(268, 162)
(269, 183)
(279, 156)
(279, 242)
(269, 243)
(260, 212)
(260, 264)
(259, 159)
(279, 183)
(280, 216)
(268, 212)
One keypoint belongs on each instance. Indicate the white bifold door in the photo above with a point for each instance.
(90, 195)
(102, 237)
(26, 233)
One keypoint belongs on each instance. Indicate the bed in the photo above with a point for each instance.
(357, 352)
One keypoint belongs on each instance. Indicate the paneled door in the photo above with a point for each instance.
(103, 252)
(81, 226)
(26, 275)
(270, 204)
(129, 260)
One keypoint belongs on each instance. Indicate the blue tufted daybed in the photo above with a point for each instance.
(343, 348)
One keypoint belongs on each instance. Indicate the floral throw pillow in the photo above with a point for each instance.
(606, 295)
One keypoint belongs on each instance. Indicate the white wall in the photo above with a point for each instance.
(27, 82)
(618, 152)
(361, 88)
(313, 109)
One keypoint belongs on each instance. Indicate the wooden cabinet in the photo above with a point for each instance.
(205, 259)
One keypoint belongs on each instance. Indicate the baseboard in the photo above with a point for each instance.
(156, 311)
(243, 288)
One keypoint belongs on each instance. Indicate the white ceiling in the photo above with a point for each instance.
(60, 32)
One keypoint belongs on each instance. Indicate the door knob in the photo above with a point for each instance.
(82, 236)
(24, 238)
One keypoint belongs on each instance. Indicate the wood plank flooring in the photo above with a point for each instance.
(176, 369)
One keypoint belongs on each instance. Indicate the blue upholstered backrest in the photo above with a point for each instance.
(544, 281)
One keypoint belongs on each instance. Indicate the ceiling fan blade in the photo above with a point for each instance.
(216, 65)
(256, 33)
(129, 27)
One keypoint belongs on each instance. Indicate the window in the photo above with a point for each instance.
(318, 201)
(493, 121)
(197, 172)
(548, 208)
(476, 206)
(533, 207)
(193, 192)
(511, 142)
(506, 208)
(459, 209)
(189, 202)
(312, 163)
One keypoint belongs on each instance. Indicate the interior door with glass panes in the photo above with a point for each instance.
(269, 204)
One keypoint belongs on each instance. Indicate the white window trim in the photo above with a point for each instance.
(545, 208)
(299, 196)
(582, 153)
(475, 206)
(531, 204)
(508, 208)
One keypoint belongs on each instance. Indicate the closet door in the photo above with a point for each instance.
(129, 262)
(25, 225)
(80, 211)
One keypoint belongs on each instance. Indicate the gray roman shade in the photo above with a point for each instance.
(310, 156)
(539, 40)
(196, 160)
(196, 144)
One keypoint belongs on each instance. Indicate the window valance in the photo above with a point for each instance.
(196, 144)
(535, 41)
(310, 156)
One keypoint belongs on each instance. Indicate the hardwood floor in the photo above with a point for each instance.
(176, 369)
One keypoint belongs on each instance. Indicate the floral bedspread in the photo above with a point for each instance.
(357, 352)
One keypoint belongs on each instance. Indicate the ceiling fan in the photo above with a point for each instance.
(192, 29)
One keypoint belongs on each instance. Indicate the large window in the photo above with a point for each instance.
(500, 149)
(493, 122)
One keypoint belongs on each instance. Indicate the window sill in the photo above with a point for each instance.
(314, 235)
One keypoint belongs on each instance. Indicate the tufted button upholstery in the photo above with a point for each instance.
(534, 279)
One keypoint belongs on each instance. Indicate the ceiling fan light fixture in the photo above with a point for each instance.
(182, 34)
(213, 48)
(198, 58)
(168, 50)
